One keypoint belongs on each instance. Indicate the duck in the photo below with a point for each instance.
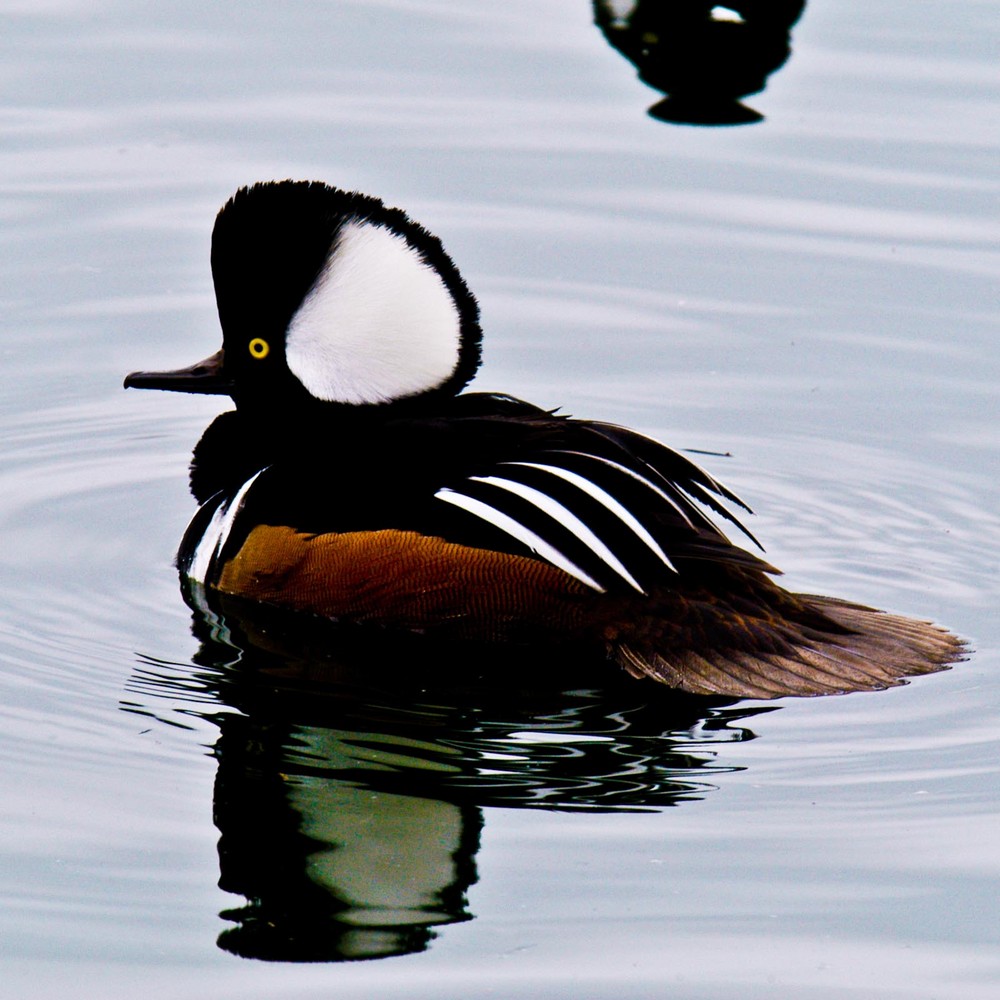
(358, 481)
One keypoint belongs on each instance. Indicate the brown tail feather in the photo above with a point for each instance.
(875, 650)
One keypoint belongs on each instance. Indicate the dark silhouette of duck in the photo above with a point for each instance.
(703, 56)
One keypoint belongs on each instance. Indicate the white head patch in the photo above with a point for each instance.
(378, 324)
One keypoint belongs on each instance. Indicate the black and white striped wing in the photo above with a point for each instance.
(616, 510)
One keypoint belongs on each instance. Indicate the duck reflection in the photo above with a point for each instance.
(353, 769)
(703, 56)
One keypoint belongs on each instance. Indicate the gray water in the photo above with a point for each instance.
(814, 295)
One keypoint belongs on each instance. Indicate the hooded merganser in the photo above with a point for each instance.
(355, 481)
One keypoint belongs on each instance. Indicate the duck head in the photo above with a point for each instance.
(329, 299)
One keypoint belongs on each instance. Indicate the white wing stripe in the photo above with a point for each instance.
(564, 516)
(712, 481)
(217, 533)
(207, 546)
(635, 475)
(518, 531)
(232, 509)
(606, 500)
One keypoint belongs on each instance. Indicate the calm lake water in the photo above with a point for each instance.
(814, 295)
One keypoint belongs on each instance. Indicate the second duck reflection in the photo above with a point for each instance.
(703, 56)
(350, 811)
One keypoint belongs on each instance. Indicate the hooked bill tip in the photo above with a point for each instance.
(205, 377)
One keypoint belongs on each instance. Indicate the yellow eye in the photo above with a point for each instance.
(259, 348)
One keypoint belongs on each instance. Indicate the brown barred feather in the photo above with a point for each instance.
(405, 580)
(748, 639)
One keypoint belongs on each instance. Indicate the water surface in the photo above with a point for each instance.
(814, 294)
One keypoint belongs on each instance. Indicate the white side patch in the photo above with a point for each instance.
(606, 500)
(518, 531)
(378, 324)
(214, 538)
